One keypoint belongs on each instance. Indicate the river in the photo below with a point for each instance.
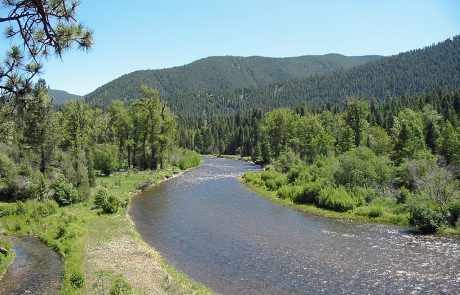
(208, 225)
(37, 269)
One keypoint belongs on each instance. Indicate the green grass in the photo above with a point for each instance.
(388, 217)
(236, 157)
(71, 230)
(6, 260)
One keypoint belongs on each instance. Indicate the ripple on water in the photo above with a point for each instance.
(221, 234)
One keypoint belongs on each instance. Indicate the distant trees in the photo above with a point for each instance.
(363, 158)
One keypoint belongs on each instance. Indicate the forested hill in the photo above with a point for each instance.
(61, 96)
(214, 74)
(436, 67)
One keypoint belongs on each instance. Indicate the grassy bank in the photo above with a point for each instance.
(102, 253)
(236, 157)
(6, 259)
(358, 215)
(377, 211)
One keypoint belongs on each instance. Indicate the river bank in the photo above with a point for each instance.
(360, 215)
(100, 251)
(212, 228)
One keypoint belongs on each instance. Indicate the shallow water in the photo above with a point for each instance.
(37, 269)
(211, 227)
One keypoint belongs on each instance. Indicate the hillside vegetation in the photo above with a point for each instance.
(214, 74)
(216, 86)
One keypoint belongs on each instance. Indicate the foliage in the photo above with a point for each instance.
(217, 74)
(64, 193)
(106, 158)
(185, 159)
(36, 29)
(361, 167)
(106, 201)
(426, 215)
(337, 199)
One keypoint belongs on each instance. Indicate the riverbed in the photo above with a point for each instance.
(208, 225)
(36, 269)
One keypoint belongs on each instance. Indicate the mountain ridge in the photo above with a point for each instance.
(217, 73)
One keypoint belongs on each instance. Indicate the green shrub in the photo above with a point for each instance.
(106, 201)
(273, 180)
(289, 191)
(362, 195)
(310, 192)
(426, 216)
(188, 159)
(77, 279)
(7, 175)
(454, 211)
(254, 178)
(337, 199)
(361, 167)
(403, 196)
(120, 287)
(111, 205)
(64, 193)
(375, 211)
(101, 196)
(48, 207)
(106, 158)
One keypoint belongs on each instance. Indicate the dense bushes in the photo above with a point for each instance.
(337, 199)
(426, 215)
(64, 193)
(106, 158)
(184, 159)
(106, 201)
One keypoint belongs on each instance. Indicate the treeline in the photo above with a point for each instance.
(49, 152)
(240, 134)
(398, 159)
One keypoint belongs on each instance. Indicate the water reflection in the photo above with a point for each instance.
(210, 226)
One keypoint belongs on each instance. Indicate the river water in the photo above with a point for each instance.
(208, 225)
(37, 269)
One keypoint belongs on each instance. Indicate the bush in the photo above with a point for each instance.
(254, 178)
(120, 287)
(7, 175)
(64, 193)
(111, 205)
(336, 199)
(77, 279)
(188, 159)
(47, 208)
(289, 192)
(454, 212)
(101, 196)
(403, 196)
(105, 158)
(106, 201)
(361, 167)
(310, 192)
(426, 216)
(273, 180)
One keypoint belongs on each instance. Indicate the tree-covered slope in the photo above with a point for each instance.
(61, 96)
(214, 74)
(436, 67)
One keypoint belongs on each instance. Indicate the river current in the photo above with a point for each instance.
(208, 225)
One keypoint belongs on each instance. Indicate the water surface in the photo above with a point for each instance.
(37, 269)
(211, 227)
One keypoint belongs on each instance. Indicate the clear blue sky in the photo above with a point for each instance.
(146, 34)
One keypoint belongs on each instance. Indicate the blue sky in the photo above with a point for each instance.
(146, 34)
